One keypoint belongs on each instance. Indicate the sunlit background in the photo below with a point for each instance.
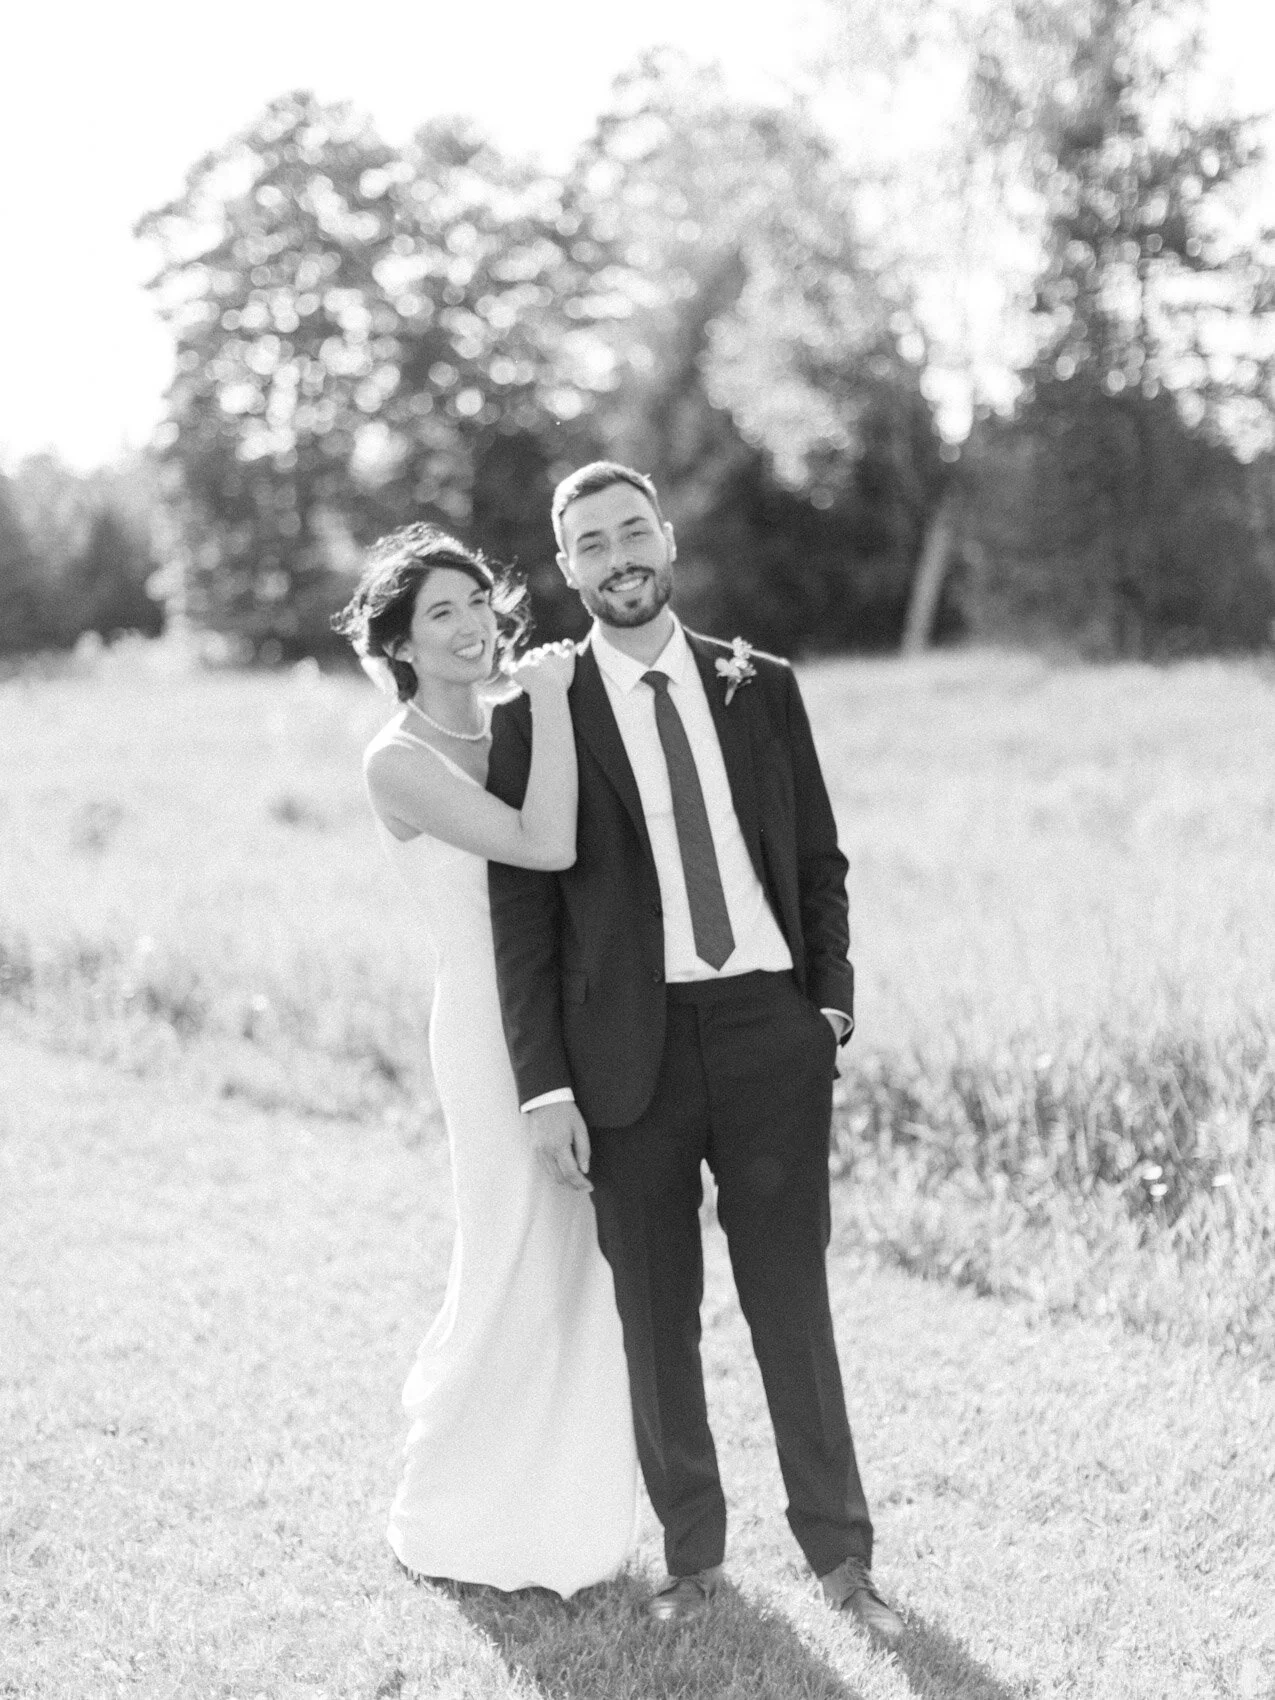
(103, 109)
(947, 319)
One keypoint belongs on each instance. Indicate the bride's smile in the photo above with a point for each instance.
(453, 631)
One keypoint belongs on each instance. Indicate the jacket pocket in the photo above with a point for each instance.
(575, 987)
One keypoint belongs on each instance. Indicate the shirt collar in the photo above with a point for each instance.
(625, 673)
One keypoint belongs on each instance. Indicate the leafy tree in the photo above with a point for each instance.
(284, 353)
(367, 336)
(934, 101)
(758, 377)
(89, 555)
(1071, 156)
(1152, 292)
(1150, 279)
(1051, 491)
(105, 583)
(363, 336)
(56, 510)
(21, 609)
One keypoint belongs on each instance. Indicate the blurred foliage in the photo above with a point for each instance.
(759, 378)
(1108, 522)
(76, 553)
(1124, 498)
(1002, 366)
(367, 336)
(1153, 278)
(363, 337)
(1157, 356)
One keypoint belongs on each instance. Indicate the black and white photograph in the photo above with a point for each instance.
(637, 851)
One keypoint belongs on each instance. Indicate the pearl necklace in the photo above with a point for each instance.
(450, 731)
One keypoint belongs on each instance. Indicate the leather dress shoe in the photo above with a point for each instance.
(849, 1588)
(684, 1597)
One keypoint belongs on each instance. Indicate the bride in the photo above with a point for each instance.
(521, 1466)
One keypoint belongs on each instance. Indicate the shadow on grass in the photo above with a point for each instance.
(600, 1645)
(935, 1663)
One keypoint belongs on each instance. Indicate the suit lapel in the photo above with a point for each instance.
(732, 735)
(595, 723)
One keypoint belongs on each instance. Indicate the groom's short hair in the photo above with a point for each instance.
(588, 480)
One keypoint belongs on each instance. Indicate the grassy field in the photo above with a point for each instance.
(208, 1312)
(1063, 894)
(223, 1204)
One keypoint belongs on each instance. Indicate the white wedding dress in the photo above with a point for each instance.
(521, 1467)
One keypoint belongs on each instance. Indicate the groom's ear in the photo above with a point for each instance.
(670, 540)
(564, 567)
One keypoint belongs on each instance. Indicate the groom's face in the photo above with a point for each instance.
(617, 555)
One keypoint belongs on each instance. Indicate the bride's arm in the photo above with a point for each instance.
(413, 793)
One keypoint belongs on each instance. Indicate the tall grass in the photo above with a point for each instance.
(188, 874)
(1064, 889)
(1062, 1086)
(1128, 1174)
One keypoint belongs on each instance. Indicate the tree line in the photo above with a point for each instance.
(1016, 379)
(78, 553)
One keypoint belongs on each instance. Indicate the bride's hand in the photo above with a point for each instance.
(551, 666)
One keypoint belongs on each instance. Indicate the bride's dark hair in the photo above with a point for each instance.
(378, 617)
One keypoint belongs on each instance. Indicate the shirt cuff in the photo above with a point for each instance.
(844, 1023)
(562, 1095)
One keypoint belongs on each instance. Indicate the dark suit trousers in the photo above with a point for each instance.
(745, 1083)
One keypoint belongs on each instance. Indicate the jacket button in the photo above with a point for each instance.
(656, 976)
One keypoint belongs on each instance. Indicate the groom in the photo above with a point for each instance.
(679, 995)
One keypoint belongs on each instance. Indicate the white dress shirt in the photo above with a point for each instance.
(758, 940)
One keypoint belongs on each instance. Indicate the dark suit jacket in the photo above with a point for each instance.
(580, 954)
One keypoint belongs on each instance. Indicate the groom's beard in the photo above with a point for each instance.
(637, 607)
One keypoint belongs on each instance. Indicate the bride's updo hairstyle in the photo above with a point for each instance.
(378, 617)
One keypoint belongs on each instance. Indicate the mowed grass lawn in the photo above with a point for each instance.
(209, 1310)
(224, 1208)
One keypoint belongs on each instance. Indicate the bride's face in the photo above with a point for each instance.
(453, 630)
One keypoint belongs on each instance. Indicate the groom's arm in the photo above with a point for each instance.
(821, 868)
(525, 930)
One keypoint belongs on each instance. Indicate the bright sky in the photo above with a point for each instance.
(105, 103)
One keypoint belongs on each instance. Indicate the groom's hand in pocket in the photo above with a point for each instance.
(560, 1141)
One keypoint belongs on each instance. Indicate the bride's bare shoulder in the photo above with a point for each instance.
(404, 781)
(394, 758)
(392, 738)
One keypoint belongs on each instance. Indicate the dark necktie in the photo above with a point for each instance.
(710, 922)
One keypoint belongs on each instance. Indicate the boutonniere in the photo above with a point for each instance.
(737, 669)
